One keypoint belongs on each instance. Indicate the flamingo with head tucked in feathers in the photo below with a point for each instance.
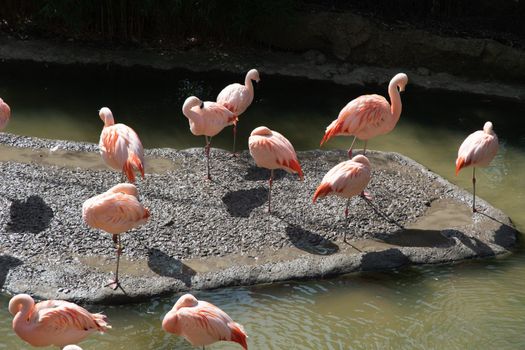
(237, 97)
(346, 179)
(120, 146)
(368, 116)
(272, 150)
(5, 114)
(478, 150)
(53, 322)
(202, 323)
(208, 119)
(115, 211)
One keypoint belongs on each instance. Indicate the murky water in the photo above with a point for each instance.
(472, 305)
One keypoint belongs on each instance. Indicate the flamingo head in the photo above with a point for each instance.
(488, 128)
(187, 300)
(191, 102)
(253, 74)
(126, 188)
(261, 131)
(107, 117)
(400, 80)
(361, 159)
(17, 303)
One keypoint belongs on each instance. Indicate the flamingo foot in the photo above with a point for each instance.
(235, 155)
(474, 210)
(113, 284)
(366, 195)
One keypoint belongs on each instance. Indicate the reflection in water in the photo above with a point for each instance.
(474, 305)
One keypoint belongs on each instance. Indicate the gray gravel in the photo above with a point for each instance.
(208, 234)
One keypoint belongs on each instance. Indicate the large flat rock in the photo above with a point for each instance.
(209, 234)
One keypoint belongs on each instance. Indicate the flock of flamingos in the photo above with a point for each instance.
(61, 323)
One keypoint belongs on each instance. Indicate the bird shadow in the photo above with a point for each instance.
(32, 215)
(310, 242)
(164, 265)
(241, 203)
(505, 235)
(255, 173)
(418, 238)
(7, 262)
(474, 244)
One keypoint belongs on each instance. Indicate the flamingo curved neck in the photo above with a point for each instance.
(21, 316)
(186, 110)
(248, 83)
(395, 100)
(108, 120)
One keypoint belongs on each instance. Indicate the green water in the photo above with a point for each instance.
(471, 305)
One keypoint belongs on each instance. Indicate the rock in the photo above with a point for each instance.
(201, 234)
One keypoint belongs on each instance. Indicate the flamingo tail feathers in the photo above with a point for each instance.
(332, 130)
(322, 190)
(146, 213)
(460, 164)
(134, 162)
(238, 335)
(294, 164)
(102, 322)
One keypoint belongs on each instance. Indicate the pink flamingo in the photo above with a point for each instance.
(237, 98)
(346, 179)
(53, 322)
(208, 119)
(115, 211)
(120, 146)
(5, 114)
(368, 116)
(272, 150)
(478, 150)
(202, 323)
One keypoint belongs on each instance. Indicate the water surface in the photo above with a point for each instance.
(471, 305)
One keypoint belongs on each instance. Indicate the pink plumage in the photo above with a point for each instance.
(115, 211)
(202, 323)
(346, 179)
(5, 114)
(272, 150)
(236, 97)
(120, 146)
(368, 116)
(53, 322)
(206, 118)
(478, 149)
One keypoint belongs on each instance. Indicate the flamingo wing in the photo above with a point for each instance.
(114, 212)
(5, 113)
(346, 179)
(203, 325)
(219, 114)
(273, 152)
(235, 97)
(359, 117)
(479, 148)
(61, 316)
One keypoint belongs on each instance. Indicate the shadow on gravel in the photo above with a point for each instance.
(386, 259)
(32, 215)
(419, 238)
(7, 262)
(241, 203)
(164, 265)
(257, 174)
(309, 241)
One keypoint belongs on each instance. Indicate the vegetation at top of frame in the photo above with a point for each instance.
(166, 22)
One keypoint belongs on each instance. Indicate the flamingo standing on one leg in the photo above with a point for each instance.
(478, 150)
(237, 98)
(53, 322)
(368, 116)
(120, 146)
(202, 323)
(346, 179)
(5, 114)
(208, 119)
(115, 211)
(272, 150)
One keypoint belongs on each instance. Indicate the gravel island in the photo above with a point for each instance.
(210, 234)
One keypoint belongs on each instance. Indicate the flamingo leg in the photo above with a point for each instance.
(351, 147)
(346, 218)
(474, 192)
(122, 176)
(270, 181)
(207, 153)
(115, 283)
(234, 139)
(364, 149)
